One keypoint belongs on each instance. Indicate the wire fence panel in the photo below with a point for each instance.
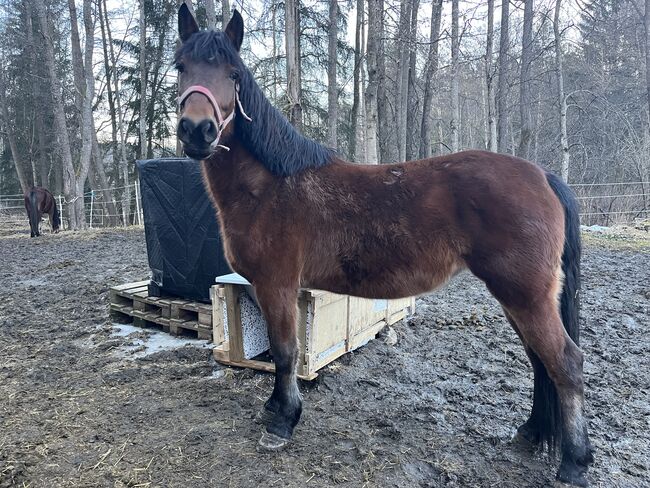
(600, 204)
(100, 211)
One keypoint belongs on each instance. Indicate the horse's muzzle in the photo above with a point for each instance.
(197, 138)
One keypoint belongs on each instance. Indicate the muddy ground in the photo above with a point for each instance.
(82, 406)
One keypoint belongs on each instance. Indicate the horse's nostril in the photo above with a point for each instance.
(185, 128)
(209, 130)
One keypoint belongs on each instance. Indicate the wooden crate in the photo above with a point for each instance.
(131, 302)
(329, 325)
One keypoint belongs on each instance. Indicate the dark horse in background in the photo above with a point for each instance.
(39, 201)
(295, 215)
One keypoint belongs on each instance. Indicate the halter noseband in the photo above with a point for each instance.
(223, 122)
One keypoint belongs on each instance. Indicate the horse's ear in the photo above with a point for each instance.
(186, 23)
(235, 29)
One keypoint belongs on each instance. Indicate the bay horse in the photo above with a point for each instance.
(293, 214)
(39, 201)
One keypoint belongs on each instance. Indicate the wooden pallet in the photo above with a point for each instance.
(131, 302)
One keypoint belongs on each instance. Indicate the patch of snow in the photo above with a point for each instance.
(594, 228)
(155, 341)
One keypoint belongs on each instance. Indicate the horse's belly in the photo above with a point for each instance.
(389, 282)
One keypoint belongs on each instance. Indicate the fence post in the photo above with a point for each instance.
(92, 202)
(61, 214)
(137, 202)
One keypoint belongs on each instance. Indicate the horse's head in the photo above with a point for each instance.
(209, 68)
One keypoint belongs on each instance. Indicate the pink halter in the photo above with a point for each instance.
(223, 122)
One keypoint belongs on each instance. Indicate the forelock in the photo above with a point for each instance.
(210, 46)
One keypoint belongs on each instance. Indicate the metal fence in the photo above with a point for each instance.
(601, 204)
(121, 208)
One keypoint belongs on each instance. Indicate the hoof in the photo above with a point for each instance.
(527, 435)
(264, 416)
(271, 442)
(572, 474)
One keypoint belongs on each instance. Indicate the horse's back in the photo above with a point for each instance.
(399, 229)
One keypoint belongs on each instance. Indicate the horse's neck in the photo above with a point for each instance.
(235, 175)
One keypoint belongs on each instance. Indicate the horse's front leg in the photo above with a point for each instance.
(282, 411)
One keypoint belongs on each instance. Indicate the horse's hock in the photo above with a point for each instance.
(329, 325)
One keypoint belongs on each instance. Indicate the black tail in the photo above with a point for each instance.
(33, 213)
(570, 300)
(546, 416)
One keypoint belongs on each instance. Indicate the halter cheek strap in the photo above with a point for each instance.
(223, 122)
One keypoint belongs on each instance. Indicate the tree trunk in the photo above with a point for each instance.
(375, 30)
(110, 72)
(356, 98)
(8, 126)
(30, 49)
(388, 150)
(70, 188)
(225, 13)
(412, 100)
(646, 24)
(101, 183)
(430, 73)
(402, 76)
(489, 81)
(332, 90)
(143, 84)
(117, 114)
(562, 105)
(292, 40)
(211, 14)
(524, 82)
(86, 116)
(502, 88)
(455, 102)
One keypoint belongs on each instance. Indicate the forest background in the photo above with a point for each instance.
(88, 87)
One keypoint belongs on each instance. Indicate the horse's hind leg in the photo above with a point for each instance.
(532, 430)
(541, 329)
(282, 411)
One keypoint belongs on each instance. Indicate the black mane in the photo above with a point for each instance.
(269, 137)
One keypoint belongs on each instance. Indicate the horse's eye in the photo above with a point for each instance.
(179, 67)
(234, 76)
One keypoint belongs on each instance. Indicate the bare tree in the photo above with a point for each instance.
(115, 109)
(402, 76)
(211, 14)
(646, 25)
(332, 89)
(355, 133)
(430, 73)
(502, 88)
(562, 105)
(388, 150)
(455, 102)
(412, 100)
(292, 41)
(489, 80)
(143, 83)
(9, 131)
(375, 31)
(525, 82)
(70, 187)
(225, 13)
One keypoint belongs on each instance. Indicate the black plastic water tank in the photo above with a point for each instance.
(181, 230)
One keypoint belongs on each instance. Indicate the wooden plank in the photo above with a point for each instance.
(205, 318)
(364, 336)
(222, 356)
(218, 333)
(130, 285)
(234, 323)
